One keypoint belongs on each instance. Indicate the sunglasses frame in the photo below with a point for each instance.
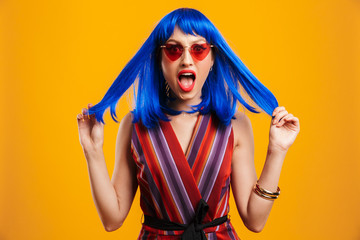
(191, 50)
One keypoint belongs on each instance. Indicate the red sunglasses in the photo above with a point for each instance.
(198, 51)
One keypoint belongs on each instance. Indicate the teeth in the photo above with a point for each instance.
(187, 74)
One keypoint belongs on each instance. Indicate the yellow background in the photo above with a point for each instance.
(57, 56)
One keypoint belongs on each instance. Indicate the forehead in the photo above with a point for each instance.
(179, 36)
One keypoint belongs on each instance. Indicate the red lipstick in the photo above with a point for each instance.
(188, 80)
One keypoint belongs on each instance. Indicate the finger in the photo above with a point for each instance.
(278, 109)
(85, 112)
(84, 130)
(279, 116)
(286, 118)
(291, 117)
(81, 121)
(295, 121)
(92, 117)
(83, 116)
(79, 117)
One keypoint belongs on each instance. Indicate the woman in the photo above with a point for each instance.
(184, 144)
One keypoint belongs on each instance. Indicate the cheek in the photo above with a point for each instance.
(204, 69)
(164, 66)
(168, 68)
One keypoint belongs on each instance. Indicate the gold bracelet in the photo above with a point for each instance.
(260, 194)
(267, 192)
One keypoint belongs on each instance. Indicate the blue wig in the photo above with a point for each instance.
(220, 92)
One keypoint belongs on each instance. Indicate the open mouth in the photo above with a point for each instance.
(186, 80)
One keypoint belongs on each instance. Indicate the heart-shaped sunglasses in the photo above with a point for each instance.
(198, 51)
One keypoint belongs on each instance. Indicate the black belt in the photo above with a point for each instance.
(193, 230)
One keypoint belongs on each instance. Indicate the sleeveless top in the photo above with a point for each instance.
(172, 183)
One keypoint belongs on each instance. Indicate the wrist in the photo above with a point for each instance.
(93, 153)
(276, 150)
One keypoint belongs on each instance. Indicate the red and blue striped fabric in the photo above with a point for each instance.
(172, 183)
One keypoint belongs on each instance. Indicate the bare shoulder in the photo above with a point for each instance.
(242, 128)
(126, 122)
(125, 130)
(127, 119)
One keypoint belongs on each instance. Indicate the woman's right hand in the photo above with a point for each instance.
(91, 132)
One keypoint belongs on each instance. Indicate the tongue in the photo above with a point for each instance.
(186, 82)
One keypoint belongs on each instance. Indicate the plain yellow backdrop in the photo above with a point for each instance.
(57, 56)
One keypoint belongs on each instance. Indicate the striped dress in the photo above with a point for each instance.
(172, 183)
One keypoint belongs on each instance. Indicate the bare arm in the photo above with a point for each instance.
(254, 210)
(112, 198)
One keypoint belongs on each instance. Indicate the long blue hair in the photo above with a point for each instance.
(220, 92)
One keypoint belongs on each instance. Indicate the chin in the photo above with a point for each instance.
(187, 96)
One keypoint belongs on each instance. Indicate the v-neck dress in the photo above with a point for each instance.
(172, 183)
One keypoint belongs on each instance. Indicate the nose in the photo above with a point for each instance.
(186, 58)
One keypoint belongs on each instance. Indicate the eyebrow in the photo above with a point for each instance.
(196, 41)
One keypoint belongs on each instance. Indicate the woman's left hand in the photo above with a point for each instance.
(283, 130)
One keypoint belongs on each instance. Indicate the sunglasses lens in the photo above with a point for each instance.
(200, 51)
(173, 51)
(197, 51)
